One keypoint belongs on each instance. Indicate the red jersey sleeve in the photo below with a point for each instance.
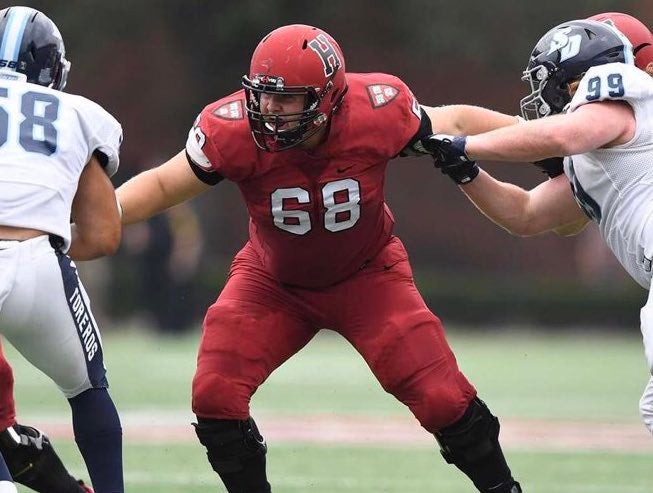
(219, 144)
(396, 111)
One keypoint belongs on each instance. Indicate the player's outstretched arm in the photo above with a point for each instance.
(157, 189)
(548, 207)
(96, 230)
(460, 119)
(590, 127)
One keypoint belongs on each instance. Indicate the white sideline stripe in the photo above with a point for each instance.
(172, 426)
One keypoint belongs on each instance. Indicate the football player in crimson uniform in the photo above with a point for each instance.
(637, 33)
(592, 104)
(308, 144)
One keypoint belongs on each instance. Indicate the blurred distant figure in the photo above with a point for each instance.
(590, 103)
(58, 153)
(166, 252)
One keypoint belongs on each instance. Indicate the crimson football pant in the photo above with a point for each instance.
(7, 405)
(257, 323)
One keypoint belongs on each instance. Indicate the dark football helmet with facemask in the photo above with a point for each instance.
(32, 45)
(562, 56)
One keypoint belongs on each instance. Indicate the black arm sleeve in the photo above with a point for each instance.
(208, 177)
(414, 147)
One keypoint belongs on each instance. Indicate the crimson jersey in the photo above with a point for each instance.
(315, 217)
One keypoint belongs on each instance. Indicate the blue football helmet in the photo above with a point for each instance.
(562, 56)
(32, 45)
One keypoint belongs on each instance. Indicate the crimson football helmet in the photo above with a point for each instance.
(637, 33)
(562, 56)
(294, 59)
(32, 45)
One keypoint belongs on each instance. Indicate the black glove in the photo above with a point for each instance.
(449, 156)
(551, 166)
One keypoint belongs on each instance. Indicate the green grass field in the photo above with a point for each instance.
(580, 377)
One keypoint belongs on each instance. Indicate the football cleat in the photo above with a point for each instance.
(33, 462)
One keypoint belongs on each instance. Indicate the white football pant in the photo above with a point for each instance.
(45, 313)
(646, 405)
(7, 487)
(646, 321)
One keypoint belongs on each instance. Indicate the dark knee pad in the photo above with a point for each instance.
(472, 445)
(33, 462)
(230, 443)
(471, 437)
(236, 451)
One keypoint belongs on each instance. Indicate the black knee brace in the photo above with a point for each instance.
(33, 462)
(471, 437)
(229, 443)
(236, 451)
(472, 445)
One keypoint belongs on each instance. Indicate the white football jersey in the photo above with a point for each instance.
(46, 139)
(615, 185)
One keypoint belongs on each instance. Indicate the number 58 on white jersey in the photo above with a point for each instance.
(46, 139)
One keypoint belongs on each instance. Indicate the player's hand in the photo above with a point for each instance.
(551, 166)
(449, 156)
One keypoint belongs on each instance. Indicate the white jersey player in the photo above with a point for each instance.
(57, 152)
(606, 130)
(614, 184)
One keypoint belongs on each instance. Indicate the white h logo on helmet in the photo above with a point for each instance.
(328, 54)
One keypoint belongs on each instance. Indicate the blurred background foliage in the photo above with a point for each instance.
(155, 64)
